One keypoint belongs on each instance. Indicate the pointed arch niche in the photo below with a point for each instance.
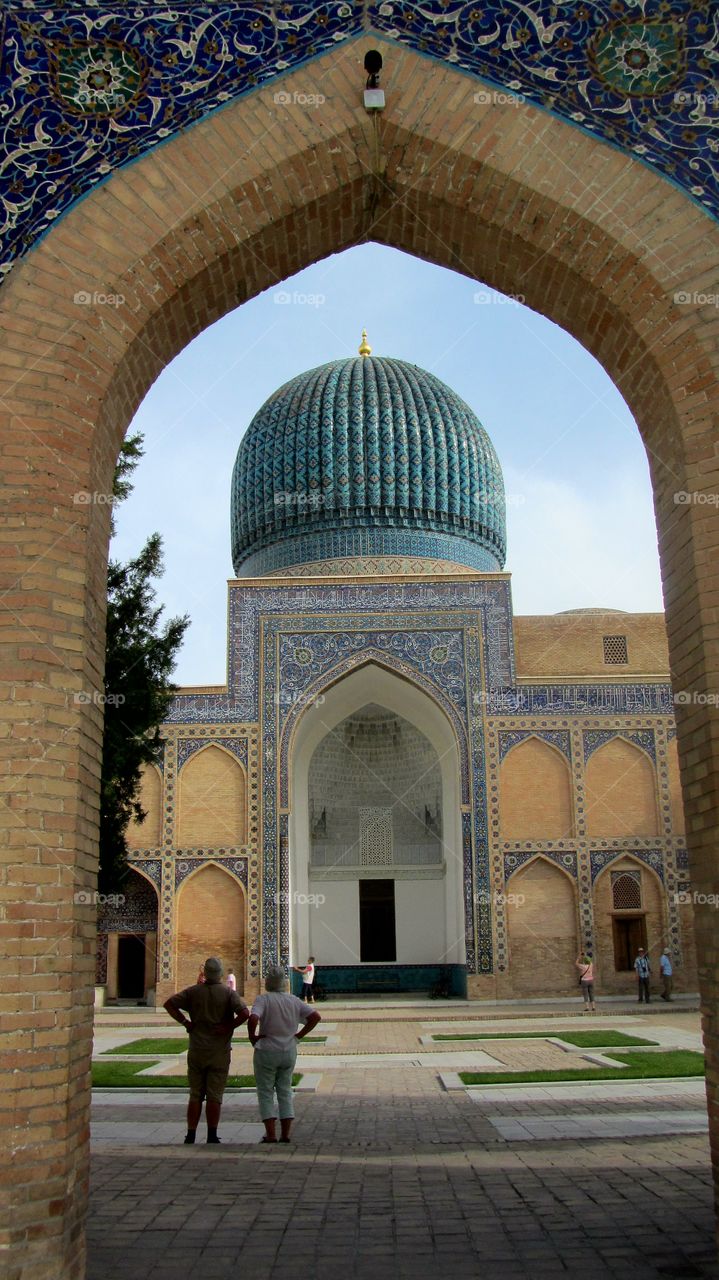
(148, 833)
(621, 791)
(211, 916)
(535, 794)
(429, 914)
(542, 924)
(212, 801)
(626, 921)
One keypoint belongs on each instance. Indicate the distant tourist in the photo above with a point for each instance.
(214, 1013)
(586, 981)
(643, 969)
(308, 977)
(230, 980)
(666, 970)
(273, 1033)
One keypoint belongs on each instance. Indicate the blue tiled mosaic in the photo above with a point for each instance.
(237, 867)
(558, 738)
(600, 858)
(187, 747)
(151, 867)
(88, 88)
(515, 861)
(642, 738)
(355, 449)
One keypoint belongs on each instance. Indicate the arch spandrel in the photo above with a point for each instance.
(639, 81)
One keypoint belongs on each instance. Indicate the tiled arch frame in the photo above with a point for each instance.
(512, 196)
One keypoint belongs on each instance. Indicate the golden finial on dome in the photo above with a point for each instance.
(364, 346)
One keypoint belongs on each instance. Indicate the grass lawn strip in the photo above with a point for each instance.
(124, 1075)
(582, 1039)
(675, 1063)
(150, 1048)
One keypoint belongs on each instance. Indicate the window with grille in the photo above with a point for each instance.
(375, 837)
(626, 890)
(615, 650)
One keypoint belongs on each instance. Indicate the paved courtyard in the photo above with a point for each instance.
(394, 1174)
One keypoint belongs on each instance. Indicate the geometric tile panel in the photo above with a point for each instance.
(653, 858)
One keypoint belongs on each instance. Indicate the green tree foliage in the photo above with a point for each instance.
(140, 659)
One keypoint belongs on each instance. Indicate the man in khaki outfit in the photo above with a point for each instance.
(215, 1012)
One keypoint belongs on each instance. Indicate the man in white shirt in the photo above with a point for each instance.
(308, 977)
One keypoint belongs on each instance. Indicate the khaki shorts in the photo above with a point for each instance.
(207, 1082)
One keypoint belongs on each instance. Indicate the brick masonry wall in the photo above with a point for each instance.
(621, 791)
(535, 793)
(542, 920)
(571, 644)
(148, 833)
(210, 921)
(213, 801)
(505, 194)
(609, 980)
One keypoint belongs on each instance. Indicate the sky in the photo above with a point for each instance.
(580, 521)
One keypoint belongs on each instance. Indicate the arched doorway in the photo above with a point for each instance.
(517, 200)
(375, 833)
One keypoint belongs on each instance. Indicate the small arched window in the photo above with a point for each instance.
(626, 890)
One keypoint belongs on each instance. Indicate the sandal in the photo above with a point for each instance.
(266, 1139)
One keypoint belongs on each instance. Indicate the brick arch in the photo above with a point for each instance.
(542, 925)
(148, 833)
(653, 907)
(621, 791)
(510, 196)
(535, 792)
(210, 920)
(212, 800)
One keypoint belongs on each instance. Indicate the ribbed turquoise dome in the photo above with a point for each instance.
(364, 457)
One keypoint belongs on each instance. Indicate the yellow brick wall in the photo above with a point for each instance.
(621, 795)
(570, 644)
(210, 922)
(542, 926)
(609, 981)
(148, 834)
(675, 788)
(535, 795)
(212, 801)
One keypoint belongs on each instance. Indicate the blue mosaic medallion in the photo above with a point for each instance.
(640, 77)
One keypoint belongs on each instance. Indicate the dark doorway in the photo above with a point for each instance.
(377, 928)
(131, 967)
(630, 933)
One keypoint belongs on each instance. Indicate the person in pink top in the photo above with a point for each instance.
(586, 981)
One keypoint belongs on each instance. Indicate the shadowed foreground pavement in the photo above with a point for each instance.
(391, 1176)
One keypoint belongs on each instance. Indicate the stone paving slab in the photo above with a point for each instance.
(630, 1124)
(654, 1091)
